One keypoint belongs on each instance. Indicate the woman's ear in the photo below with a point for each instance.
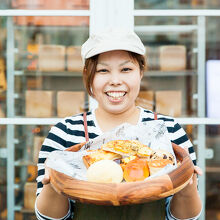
(142, 73)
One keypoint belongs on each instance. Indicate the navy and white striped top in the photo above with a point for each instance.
(70, 131)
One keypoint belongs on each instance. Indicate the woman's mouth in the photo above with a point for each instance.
(115, 96)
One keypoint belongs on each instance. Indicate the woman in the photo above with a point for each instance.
(114, 66)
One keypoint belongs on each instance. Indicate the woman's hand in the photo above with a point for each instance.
(188, 198)
(192, 185)
(73, 148)
(46, 178)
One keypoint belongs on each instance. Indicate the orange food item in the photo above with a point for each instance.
(128, 148)
(136, 170)
(98, 155)
(157, 165)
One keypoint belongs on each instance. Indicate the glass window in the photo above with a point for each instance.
(179, 4)
(171, 63)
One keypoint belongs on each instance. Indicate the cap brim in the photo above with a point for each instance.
(112, 47)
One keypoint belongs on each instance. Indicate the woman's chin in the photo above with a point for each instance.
(117, 109)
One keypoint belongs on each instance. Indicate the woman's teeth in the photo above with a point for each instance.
(115, 94)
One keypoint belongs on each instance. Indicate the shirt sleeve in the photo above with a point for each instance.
(179, 137)
(68, 216)
(169, 216)
(56, 140)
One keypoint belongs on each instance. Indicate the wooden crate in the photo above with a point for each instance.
(172, 58)
(169, 102)
(70, 103)
(39, 103)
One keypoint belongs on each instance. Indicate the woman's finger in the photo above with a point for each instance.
(198, 170)
(46, 178)
(76, 147)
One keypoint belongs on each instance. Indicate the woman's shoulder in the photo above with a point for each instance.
(148, 115)
(75, 119)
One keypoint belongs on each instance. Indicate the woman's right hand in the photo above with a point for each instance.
(46, 178)
(74, 148)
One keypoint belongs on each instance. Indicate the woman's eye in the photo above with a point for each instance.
(126, 69)
(102, 71)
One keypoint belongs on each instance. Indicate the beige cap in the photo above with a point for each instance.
(112, 39)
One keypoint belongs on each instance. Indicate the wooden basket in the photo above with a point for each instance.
(126, 193)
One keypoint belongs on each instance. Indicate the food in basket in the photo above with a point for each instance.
(97, 155)
(105, 171)
(127, 148)
(162, 154)
(136, 170)
(157, 165)
(137, 161)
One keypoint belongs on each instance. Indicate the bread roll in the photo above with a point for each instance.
(105, 171)
(157, 165)
(162, 154)
(136, 170)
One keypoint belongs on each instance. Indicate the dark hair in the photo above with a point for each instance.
(89, 69)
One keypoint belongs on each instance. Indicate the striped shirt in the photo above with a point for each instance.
(70, 131)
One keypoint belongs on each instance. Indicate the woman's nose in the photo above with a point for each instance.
(115, 79)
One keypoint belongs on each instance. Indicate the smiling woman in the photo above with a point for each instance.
(113, 68)
(116, 84)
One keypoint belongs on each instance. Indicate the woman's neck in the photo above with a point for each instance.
(108, 121)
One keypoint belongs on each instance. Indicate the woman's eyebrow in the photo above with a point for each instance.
(104, 64)
(127, 61)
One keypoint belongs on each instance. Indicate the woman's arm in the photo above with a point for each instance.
(187, 203)
(49, 202)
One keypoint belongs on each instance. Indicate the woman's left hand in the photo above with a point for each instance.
(192, 185)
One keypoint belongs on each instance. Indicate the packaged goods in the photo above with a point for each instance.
(172, 58)
(39, 103)
(70, 103)
(52, 58)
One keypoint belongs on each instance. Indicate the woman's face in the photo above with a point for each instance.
(117, 81)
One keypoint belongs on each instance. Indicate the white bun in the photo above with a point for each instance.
(105, 171)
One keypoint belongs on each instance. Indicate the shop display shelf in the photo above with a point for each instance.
(212, 169)
(158, 73)
(47, 74)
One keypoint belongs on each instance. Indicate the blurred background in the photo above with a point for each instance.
(41, 81)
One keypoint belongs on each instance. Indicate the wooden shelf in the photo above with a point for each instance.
(159, 73)
(150, 73)
(48, 74)
(213, 169)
